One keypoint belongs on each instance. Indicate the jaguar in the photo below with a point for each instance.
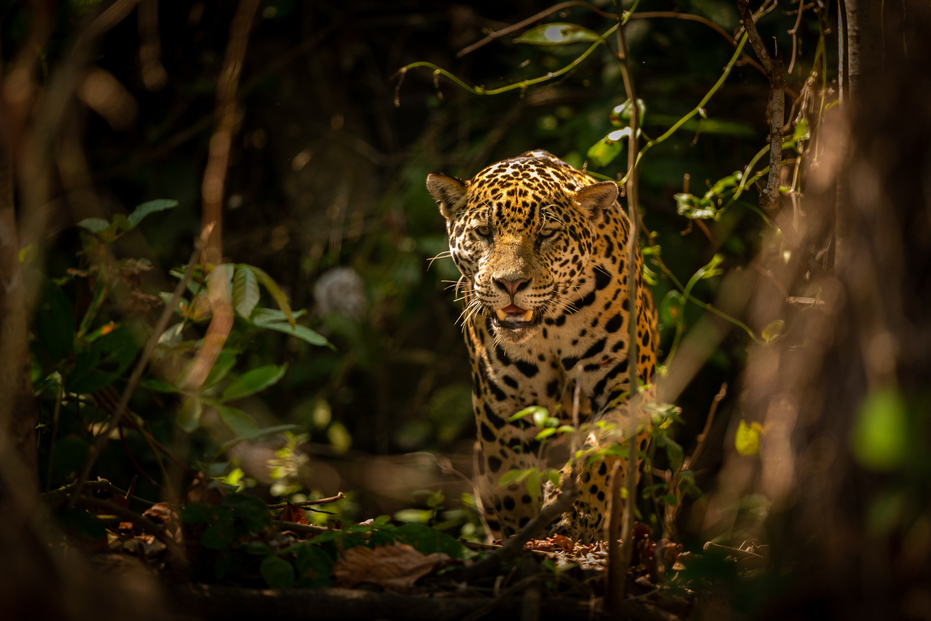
(542, 249)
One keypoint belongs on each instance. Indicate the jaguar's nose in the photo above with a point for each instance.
(511, 286)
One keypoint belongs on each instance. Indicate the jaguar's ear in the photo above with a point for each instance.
(595, 199)
(448, 192)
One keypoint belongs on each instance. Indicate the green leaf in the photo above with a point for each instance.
(509, 477)
(313, 566)
(94, 225)
(339, 437)
(102, 361)
(694, 207)
(620, 115)
(670, 499)
(302, 332)
(147, 208)
(540, 415)
(277, 294)
(557, 34)
(747, 440)
(427, 540)
(772, 331)
(241, 423)
(224, 363)
(605, 150)
(880, 437)
(245, 291)
(254, 381)
(545, 433)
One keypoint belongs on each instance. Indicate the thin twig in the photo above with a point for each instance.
(104, 437)
(794, 33)
(310, 503)
(101, 485)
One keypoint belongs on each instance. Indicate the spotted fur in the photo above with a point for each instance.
(542, 250)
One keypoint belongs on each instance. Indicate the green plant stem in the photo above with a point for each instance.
(697, 109)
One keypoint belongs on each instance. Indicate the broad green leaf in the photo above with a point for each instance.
(148, 208)
(94, 225)
(241, 423)
(302, 332)
(101, 362)
(224, 363)
(747, 440)
(557, 34)
(509, 477)
(670, 499)
(277, 294)
(545, 433)
(605, 150)
(254, 381)
(263, 316)
(880, 437)
(245, 291)
(620, 115)
(540, 414)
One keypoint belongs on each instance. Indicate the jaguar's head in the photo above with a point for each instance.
(521, 232)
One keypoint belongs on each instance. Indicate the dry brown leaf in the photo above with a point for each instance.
(290, 513)
(396, 567)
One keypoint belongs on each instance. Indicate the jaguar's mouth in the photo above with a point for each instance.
(515, 318)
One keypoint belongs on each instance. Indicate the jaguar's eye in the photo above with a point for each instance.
(547, 232)
(483, 230)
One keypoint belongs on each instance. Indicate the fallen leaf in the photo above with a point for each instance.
(395, 567)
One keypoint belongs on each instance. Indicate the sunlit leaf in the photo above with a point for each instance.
(605, 150)
(880, 437)
(620, 115)
(694, 207)
(772, 331)
(245, 291)
(254, 381)
(557, 34)
(545, 433)
(747, 440)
